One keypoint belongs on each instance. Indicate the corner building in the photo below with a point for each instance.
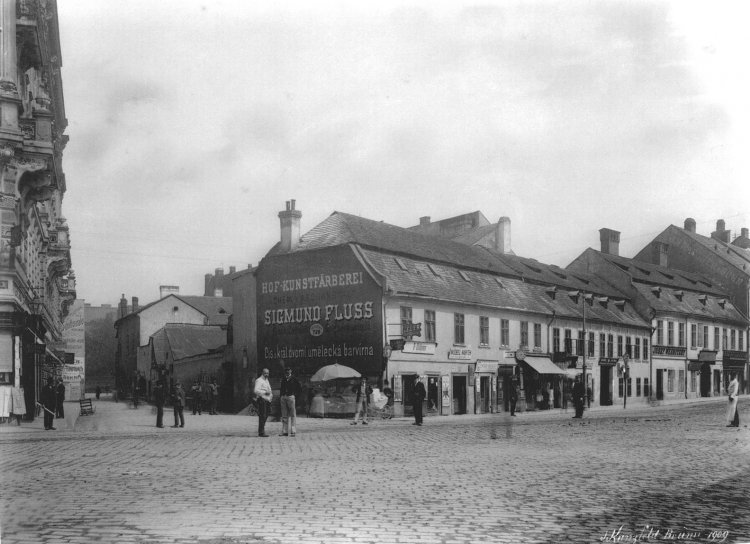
(37, 285)
(400, 306)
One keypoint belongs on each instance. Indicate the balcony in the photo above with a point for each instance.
(669, 351)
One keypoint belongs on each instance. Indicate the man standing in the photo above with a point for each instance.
(363, 392)
(733, 415)
(264, 393)
(178, 400)
(514, 394)
(214, 390)
(417, 400)
(579, 393)
(159, 400)
(291, 390)
(49, 404)
(196, 393)
(60, 398)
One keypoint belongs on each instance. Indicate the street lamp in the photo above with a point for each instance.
(625, 372)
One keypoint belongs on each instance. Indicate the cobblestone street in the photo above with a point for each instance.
(648, 474)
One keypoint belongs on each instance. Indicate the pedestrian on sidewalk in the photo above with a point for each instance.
(196, 393)
(264, 394)
(579, 392)
(291, 390)
(159, 400)
(60, 398)
(418, 396)
(214, 391)
(178, 403)
(49, 404)
(733, 414)
(363, 391)
(514, 394)
(98, 392)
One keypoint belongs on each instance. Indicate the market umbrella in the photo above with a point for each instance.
(333, 372)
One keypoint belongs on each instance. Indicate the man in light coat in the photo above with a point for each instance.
(733, 415)
(263, 391)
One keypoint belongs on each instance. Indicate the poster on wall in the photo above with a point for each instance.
(316, 309)
(74, 341)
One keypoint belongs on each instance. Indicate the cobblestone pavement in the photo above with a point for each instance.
(617, 476)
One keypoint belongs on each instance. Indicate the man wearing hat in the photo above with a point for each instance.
(417, 399)
(291, 390)
(264, 393)
(49, 404)
(60, 398)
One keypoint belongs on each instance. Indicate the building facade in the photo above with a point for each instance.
(37, 285)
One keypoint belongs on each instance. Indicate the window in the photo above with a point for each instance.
(693, 335)
(568, 341)
(741, 341)
(732, 341)
(505, 332)
(602, 345)
(555, 339)
(670, 380)
(646, 391)
(681, 335)
(637, 351)
(629, 382)
(458, 328)
(405, 319)
(637, 387)
(619, 345)
(660, 332)
(581, 343)
(645, 349)
(429, 325)
(724, 338)
(610, 345)
(705, 336)
(717, 344)
(620, 383)
(670, 333)
(537, 335)
(693, 380)
(681, 381)
(525, 333)
(629, 346)
(591, 344)
(484, 330)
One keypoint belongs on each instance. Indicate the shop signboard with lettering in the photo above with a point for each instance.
(73, 350)
(317, 308)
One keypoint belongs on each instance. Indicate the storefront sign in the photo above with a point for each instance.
(486, 366)
(510, 354)
(460, 354)
(425, 348)
(445, 405)
(409, 330)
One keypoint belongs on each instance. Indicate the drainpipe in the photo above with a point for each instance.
(685, 386)
(651, 356)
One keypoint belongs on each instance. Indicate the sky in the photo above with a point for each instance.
(192, 123)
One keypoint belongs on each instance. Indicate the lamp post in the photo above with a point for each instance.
(625, 372)
(585, 347)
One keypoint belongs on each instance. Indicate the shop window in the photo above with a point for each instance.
(637, 387)
(670, 380)
(629, 382)
(693, 381)
(429, 326)
(681, 381)
(620, 388)
(458, 329)
(505, 332)
(646, 390)
(484, 330)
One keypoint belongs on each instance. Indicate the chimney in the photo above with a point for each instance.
(166, 290)
(219, 272)
(123, 306)
(690, 224)
(289, 219)
(744, 233)
(659, 253)
(424, 221)
(218, 292)
(502, 235)
(721, 233)
(610, 240)
(135, 304)
(232, 269)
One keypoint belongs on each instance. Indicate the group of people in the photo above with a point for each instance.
(53, 398)
(179, 400)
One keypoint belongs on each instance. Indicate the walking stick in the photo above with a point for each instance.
(45, 408)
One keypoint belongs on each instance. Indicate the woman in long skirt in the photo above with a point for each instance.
(733, 416)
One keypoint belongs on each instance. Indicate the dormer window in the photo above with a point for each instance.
(679, 294)
(552, 292)
(463, 275)
(433, 269)
(401, 264)
(620, 304)
(656, 291)
(703, 299)
(499, 282)
(722, 302)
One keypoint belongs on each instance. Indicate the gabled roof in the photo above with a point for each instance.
(414, 277)
(691, 303)
(342, 228)
(216, 309)
(188, 340)
(732, 254)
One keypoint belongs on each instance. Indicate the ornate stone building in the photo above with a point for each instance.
(37, 284)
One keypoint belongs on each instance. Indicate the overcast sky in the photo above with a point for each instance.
(191, 123)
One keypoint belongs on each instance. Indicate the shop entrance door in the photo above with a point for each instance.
(605, 395)
(705, 381)
(459, 394)
(659, 385)
(484, 395)
(717, 383)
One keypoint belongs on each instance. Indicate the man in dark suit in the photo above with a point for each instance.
(579, 394)
(417, 399)
(159, 400)
(49, 403)
(59, 399)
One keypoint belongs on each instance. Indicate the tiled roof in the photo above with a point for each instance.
(735, 255)
(341, 228)
(187, 340)
(452, 284)
(690, 302)
(217, 309)
(644, 272)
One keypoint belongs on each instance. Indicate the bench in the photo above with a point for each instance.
(87, 407)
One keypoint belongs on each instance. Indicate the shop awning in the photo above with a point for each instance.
(733, 364)
(544, 366)
(573, 372)
(695, 365)
(707, 356)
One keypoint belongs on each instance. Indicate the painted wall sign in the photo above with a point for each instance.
(486, 366)
(460, 354)
(318, 308)
(425, 348)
